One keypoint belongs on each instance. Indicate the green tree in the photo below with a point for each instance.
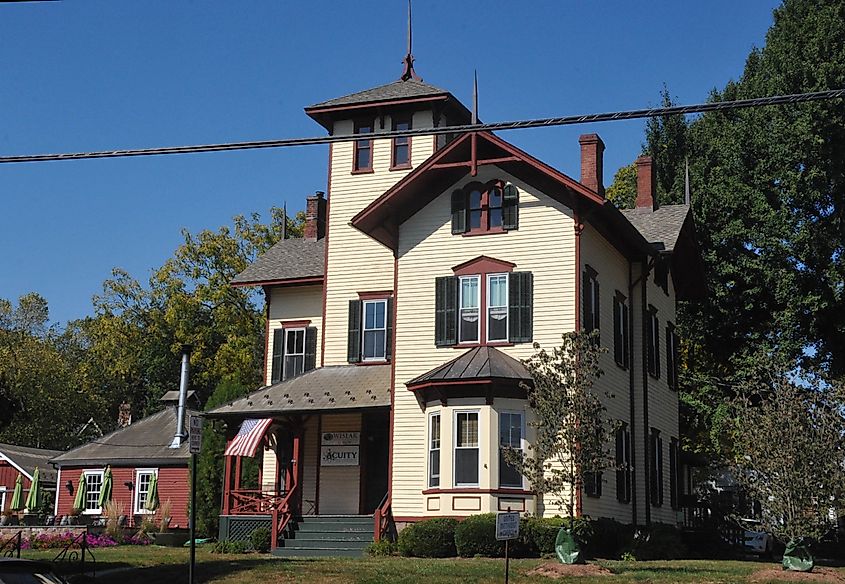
(623, 191)
(666, 143)
(573, 433)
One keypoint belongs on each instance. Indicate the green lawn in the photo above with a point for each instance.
(137, 564)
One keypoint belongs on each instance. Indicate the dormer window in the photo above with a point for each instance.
(401, 156)
(481, 208)
(363, 156)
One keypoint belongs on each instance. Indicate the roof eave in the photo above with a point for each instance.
(304, 281)
(324, 115)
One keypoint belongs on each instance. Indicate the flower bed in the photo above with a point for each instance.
(44, 541)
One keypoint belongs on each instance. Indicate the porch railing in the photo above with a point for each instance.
(382, 519)
(253, 502)
(283, 513)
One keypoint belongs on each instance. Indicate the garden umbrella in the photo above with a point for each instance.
(105, 491)
(33, 498)
(152, 494)
(81, 490)
(16, 495)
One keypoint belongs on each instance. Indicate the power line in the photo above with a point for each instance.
(463, 129)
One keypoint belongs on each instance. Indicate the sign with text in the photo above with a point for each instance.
(341, 438)
(344, 455)
(507, 526)
(195, 435)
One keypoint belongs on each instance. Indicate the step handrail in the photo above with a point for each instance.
(382, 518)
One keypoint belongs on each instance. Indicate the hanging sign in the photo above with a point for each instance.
(341, 438)
(339, 456)
(195, 435)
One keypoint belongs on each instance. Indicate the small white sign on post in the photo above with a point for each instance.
(195, 435)
(507, 526)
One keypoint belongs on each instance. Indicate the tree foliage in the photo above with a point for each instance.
(573, 433)
(623, 191)
(790, 451)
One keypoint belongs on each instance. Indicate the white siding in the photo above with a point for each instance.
(293, 303)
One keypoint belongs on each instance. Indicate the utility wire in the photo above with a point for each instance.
(462, 129)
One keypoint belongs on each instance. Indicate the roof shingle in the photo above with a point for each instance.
(660, 227)
(29, 458)
(288, 259)
(387, 92)
(477, 363)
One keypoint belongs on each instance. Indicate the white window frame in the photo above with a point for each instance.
(85, 475)
(136, 498)
(488, 306)
(523, 444)
(455, 447)
(432, 449)
(285, 353)
(461, 309)
(364, 329)
(2, 498)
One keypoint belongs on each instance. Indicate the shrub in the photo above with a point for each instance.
(114, 511)
(229, 547)
(608, 539)
(383, 547)
(165, 515)
(541, 532)
(260, 539)
(659, 542)
(476, 536)
(431, 538)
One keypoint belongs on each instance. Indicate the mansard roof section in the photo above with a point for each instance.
(290, 261)
(396, 93)
(334, 388)
(660, 227)
(479, 364)
(382, 218)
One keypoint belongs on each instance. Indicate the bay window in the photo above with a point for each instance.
(466, 449)
(469, 322)
(497, 307)
(434, 450)
(511, 430)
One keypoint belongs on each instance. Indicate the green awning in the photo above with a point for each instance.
(17, 497)
(105, 489)
(151, 503)
(33, 498)
(81, 490)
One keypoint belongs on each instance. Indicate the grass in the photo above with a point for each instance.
(142, 564)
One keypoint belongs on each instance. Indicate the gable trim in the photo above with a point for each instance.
(16, 465)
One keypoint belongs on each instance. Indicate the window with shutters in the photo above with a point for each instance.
(434, 450)
(143, 480)
(481, 208)
(467, 458)
(620, 331)
(480, 306)
(93, 486)
(671, 357)
(624, 470)
(401, 146)
(590, 300)
(656, 468)
(674, 453)
(370, 328)
(653, 347)
(294, 351)
(593, 481)
(363, 155)
(511, 434)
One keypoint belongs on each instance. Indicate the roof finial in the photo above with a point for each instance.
(475, 96)
(408, 61)
(686, 181)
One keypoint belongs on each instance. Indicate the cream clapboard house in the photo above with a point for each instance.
(396, 327)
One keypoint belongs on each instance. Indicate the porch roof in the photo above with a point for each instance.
(339, 387)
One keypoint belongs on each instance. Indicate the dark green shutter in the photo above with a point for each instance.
(656, 347)
(388, 336)
(459, 211)
(597, 299)
(586, 296)
(353, 347)
(310, 348)
(510, 207)
(446, 311)
(278, 353)
(621, 473)
(521, 307)
(618, 353)
(673, 472)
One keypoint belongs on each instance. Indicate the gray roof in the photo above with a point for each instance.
(172, 396)
(477, 363)
(288, 259)
(390, 91)
(661, 227)
(341, 387)
(146, 441)
(27, 459)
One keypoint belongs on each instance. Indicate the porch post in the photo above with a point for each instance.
(227, 483)
(238, 473)
(296, 470)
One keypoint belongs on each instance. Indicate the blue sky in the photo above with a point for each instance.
(95, 75)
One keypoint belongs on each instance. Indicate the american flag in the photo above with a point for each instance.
(248, 438)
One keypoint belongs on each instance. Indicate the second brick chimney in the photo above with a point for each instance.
(645, 184)
(315, 217)
(592, 162)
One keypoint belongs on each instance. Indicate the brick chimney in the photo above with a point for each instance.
(315, 217)
(592, 162)
(645, 184)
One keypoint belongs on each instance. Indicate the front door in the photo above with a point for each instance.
(375, 446)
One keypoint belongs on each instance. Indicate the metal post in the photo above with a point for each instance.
(507, 562)
(193, 519)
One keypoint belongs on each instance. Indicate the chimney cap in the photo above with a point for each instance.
(317, 194)
(590, 139)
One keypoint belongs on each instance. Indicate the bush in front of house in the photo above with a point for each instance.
(476, 536)
(430, 538)
(609, 538)
(260, 539)
(541, 532)
(381, 548)
(658, 542)
(229, 547)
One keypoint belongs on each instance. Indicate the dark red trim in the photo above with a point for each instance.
(479, 162)
(483, 265)
(266, 334)
(326, 258)
(369, 104)
(375, 295)
(283, 282)
(473, 167)
(295, 323)
(370, 363)
(364, 170)
(493, 231)
(442, 383)
(392, 381)
(475, 491)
